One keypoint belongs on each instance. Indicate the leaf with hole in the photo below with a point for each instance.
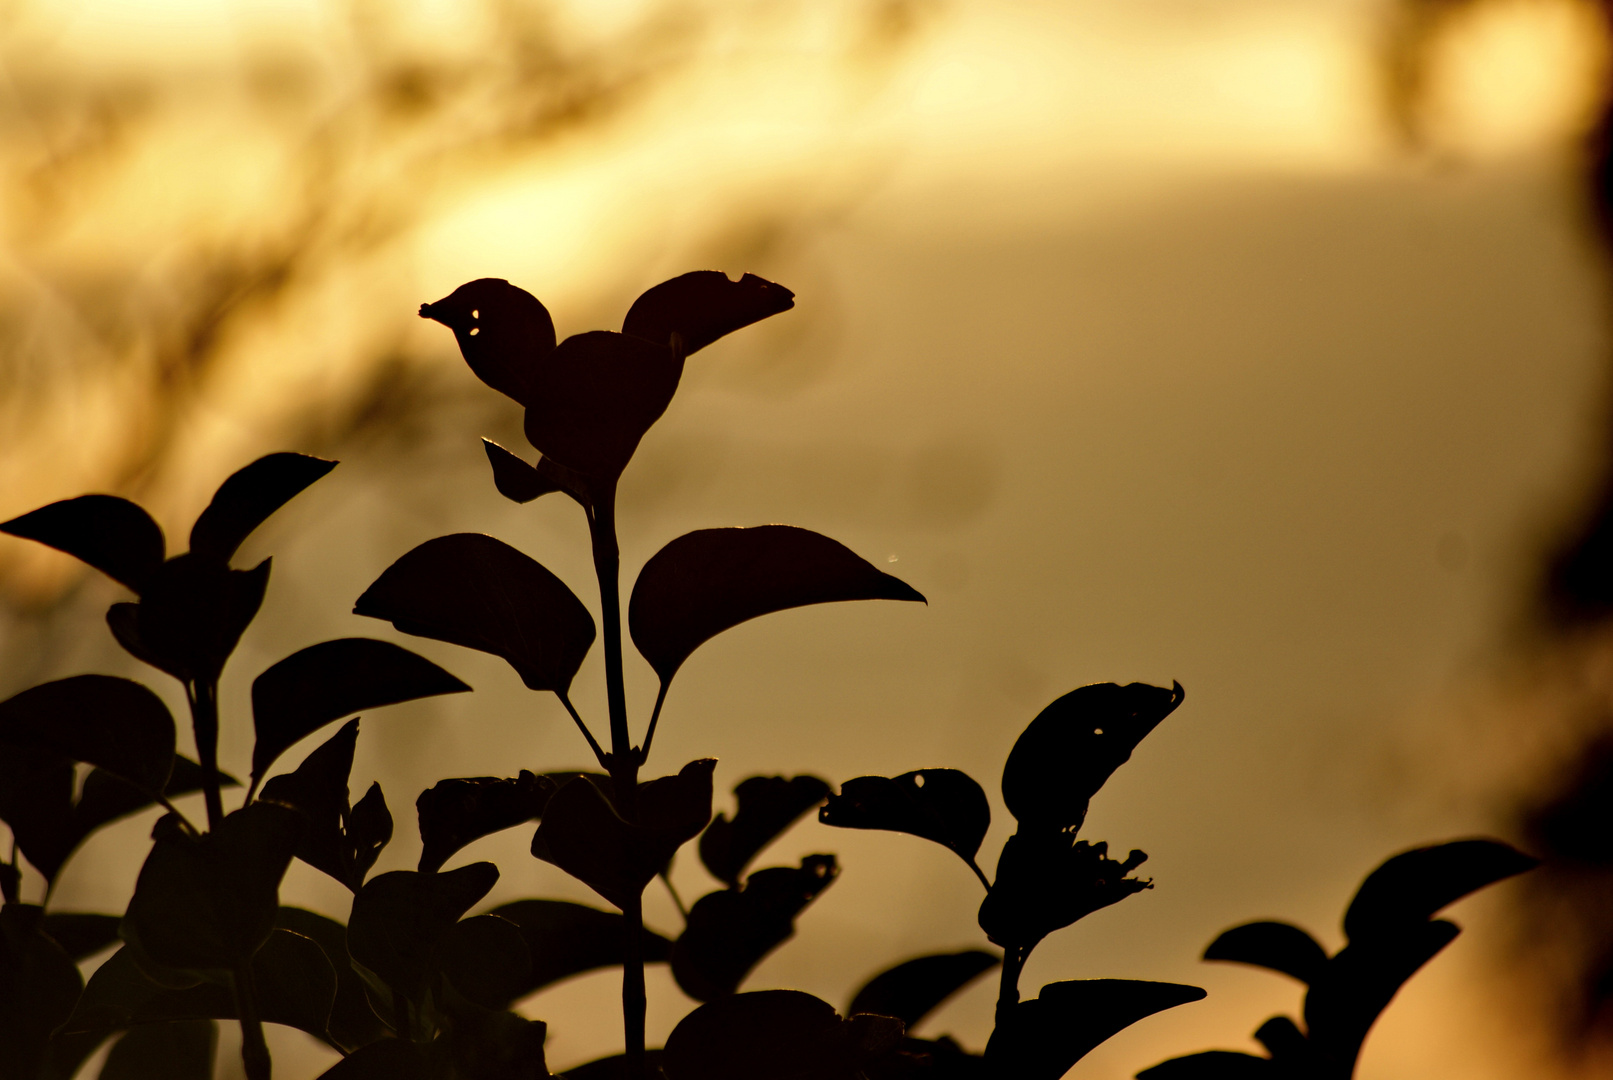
(247, 498)
(711, 580)
(111, 534)
(943, 805)
(1048, 880)
(767, 805)
(1414, 885)
(504, 333)
(566, 939)
(692, 310)
(1276, 946)
(1042, 1038)
(911, 990)
(472, 590)
(454, 813)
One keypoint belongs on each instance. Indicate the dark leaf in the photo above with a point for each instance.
(504, 333)
(729, 932)
(36, 801)
(1276, 946)
(178, 1050)
(400, 918)
(111, 534)
(207, 903)
(10, 882)
(1074, 746)
(767, 806)
(491, 1045)
(191, 616)
(596, 396)
(702, 306)
(369, 830)
(39, 984)
(388, 1059)
(1361, 980)
(1043, 1037)
(911, 990)
(352, 1022)
(1413, 885)
(335, 840)
(1213, 1065)
(710, 580)
(565, 939)
(943, 805)
(472, 590)
(247, 498)
(615, 1068)
(485, 959)
(1284, 1041)
(776, 1035)
(455, 812)
(515, 479)
(80, 933)
(1048, 880)
(333, 679)
(584, 835)
(115, 724)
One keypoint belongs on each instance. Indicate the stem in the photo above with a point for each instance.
(254, 1051)
(593, 743)
(633, 997)
(981, 874)
(1008, 994)
(655, 716)
(203, 698)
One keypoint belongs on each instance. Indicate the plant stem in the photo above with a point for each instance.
(254, 1051)
(1008, 994)
(634, 1002)
(203, 700)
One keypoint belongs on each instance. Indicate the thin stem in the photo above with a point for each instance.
(1008, 993)
(666, 879)
(254, 1051)
(634, 1001)
(981, 874)
(655, 717)
(593, 743)
(203, 698)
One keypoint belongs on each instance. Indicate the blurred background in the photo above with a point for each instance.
(1257, 344)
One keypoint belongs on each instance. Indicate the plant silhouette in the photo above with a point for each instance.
(414, 985)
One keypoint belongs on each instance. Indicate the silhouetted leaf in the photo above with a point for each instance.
(943, 805)
(1361, 980)
(504, 333)
(111, 534)
(36, 802)
(39, 984)
(115, 724)
(702, 306)
(1041, 1038)
(1213, 1065)
(352, 1022)
(1047, 880)
(493, 1045)
(1074, 745)
(584, 835)
(1276, 946)
(325, 682)
(485, 958)
(81, 934)
(1413, 885)
(206, 903)
(615, 1068)
(565, 939)
(776, 1035)
(475, 591)
(455, 812)
(340, 840)
(515, 479)
(710, 580)
(729, 932)
(1284, 1041)
(389, 1059)
(767, 806)
(400, 918)
(191, 615)
(911, 990)
(177, 1050)
(248, 497)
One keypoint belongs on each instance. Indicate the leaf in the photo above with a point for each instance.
(207, 903)
(565, 939)
(614, 1068)
(911, 990)
(39, 985)
(711, 580)
(453, 813)
(485, 959)
(352, 1022)
(775, 1035)
(388, 1059)
(1276, 946)
(325, 682)
(767, 806)
(115, 724)
(81, 934)
(504, 333)
(400, 918)
(584, 835)
(702, 306)
(248, 497)
(178, 1050)
(943, 805)
(491, 1045)
(729, 932)
(472, 590)
(1048, 880)
(1213, 1065)
(36, 801)
(1042, 1038)
(515, 479)
(1414, 885)
(338, 839)
(1075, 744)
(191, 615)
(111, 534)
